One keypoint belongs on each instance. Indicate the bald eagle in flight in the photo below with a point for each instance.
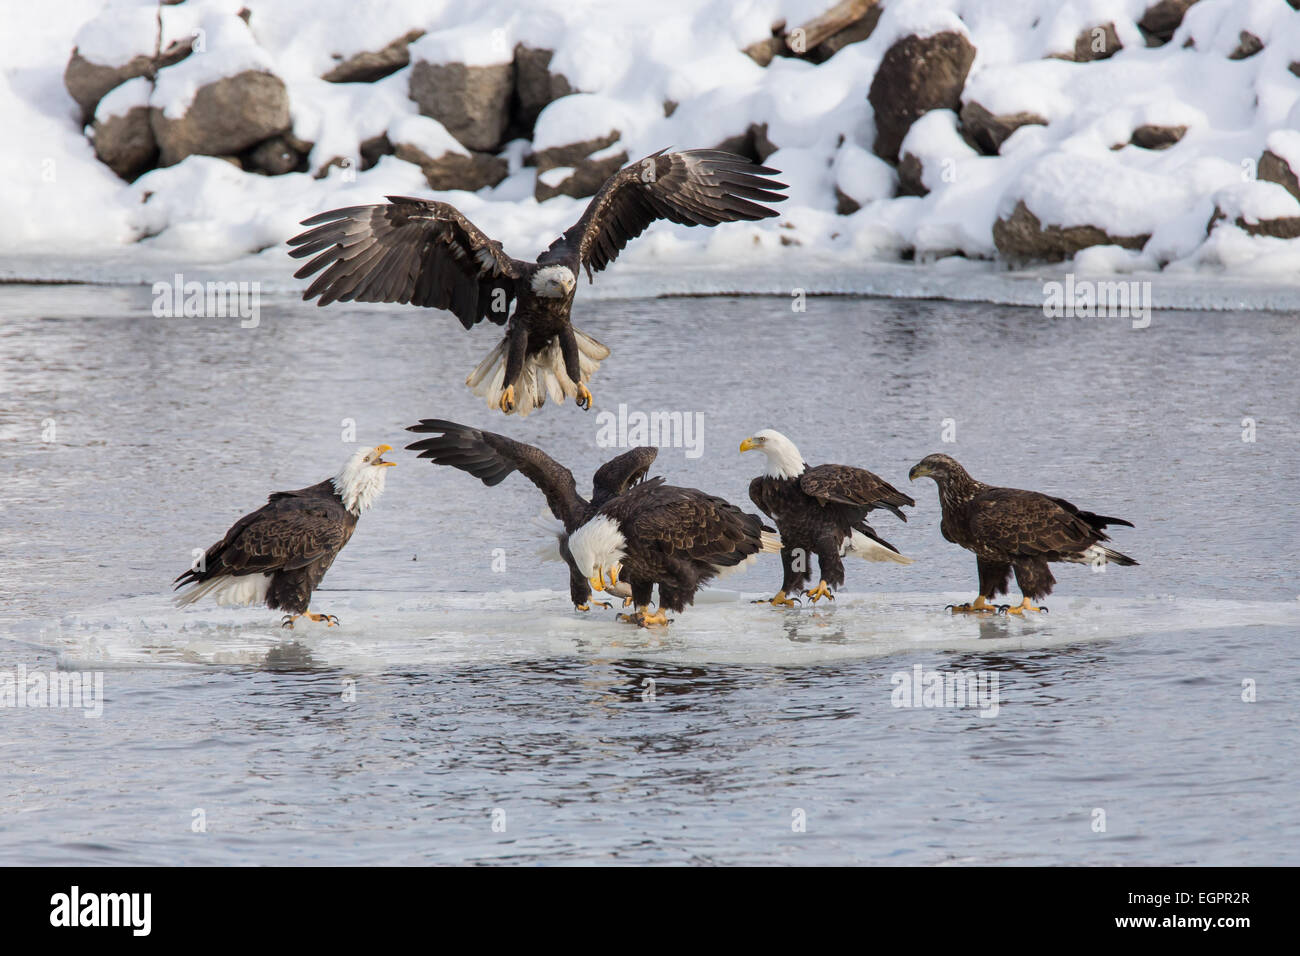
(426, 253)
(1009, 529)
(822, 511)
(279, 553)
(491, 458)
(677, 538)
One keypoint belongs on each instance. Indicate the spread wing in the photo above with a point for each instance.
(284, 534)
(490, 458)
(1028, 524)
(857, 487)
(407, 250)
(698, 187)
(622, 472)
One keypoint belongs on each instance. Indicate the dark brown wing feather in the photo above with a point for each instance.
(490, 458)
(698, 187)
(622, 472)
(686, 523)
(407, 250)
(1011, 522)
(845, 485)
(290, 531)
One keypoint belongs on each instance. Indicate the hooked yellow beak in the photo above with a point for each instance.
(748, 444)
(597, 580)
(379, 462)
(613, 575)
(918, 471)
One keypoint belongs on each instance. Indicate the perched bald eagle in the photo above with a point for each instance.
(427, 253)
(677, 538)
(1009, 529)
(821, 511)
(490, 458)
(280, 552)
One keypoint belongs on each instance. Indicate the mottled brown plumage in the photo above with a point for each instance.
(491, 458)
(677, 538)
(820, 511)
(427, 253)
(279, 553)
(1013, 530)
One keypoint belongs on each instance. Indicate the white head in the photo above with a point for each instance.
(360, 481)
(554, 282)
(783, 459)
(598, 549)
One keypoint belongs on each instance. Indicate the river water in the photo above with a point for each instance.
(463, 712)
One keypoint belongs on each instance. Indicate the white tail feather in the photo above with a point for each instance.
(553, 528)
(227, 590)
(543, 376)
(860, 546)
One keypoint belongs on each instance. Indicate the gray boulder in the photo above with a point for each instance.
(917, 74)
(455, 170)
(1096, 43)
(126, 143)
(987, 132)
(87, 81)
(226, 117)
(472, 102)
(536, 87)
(585, 172)
(368, 67)
(1161, 20)
(1274, 169)
(1022, 237)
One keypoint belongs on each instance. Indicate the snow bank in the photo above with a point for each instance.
(1221, 92)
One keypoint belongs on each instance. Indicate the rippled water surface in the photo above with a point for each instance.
(463, 712)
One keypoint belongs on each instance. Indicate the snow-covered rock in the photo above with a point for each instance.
(368, 66)
(123, 130)
(446, 164)
(917, 74)
(471, 100)
(536, 85)
(225, 117)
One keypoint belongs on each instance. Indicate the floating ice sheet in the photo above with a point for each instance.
(393, 630)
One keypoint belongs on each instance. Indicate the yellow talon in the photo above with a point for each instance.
(980, 606)
(634, 618)
(1023, 606)
(508, 399)
(657, 619)
(820, 591)
(777, 600)
(627, 601)
(583, 398)
(588, 607)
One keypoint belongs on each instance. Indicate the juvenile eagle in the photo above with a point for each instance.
(427, 253)
(677, 538)
(280, 552)
(821, 511)
(1012, 529)
(490, 458)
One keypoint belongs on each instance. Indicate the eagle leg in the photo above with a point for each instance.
(508, 399)
(330, 621)
(978, 606)
(1025, 605)
(288, 620)
(587, 607)
(820, 591)
(777, 600)
(658, 619)
(583, 398)
(636, 617)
